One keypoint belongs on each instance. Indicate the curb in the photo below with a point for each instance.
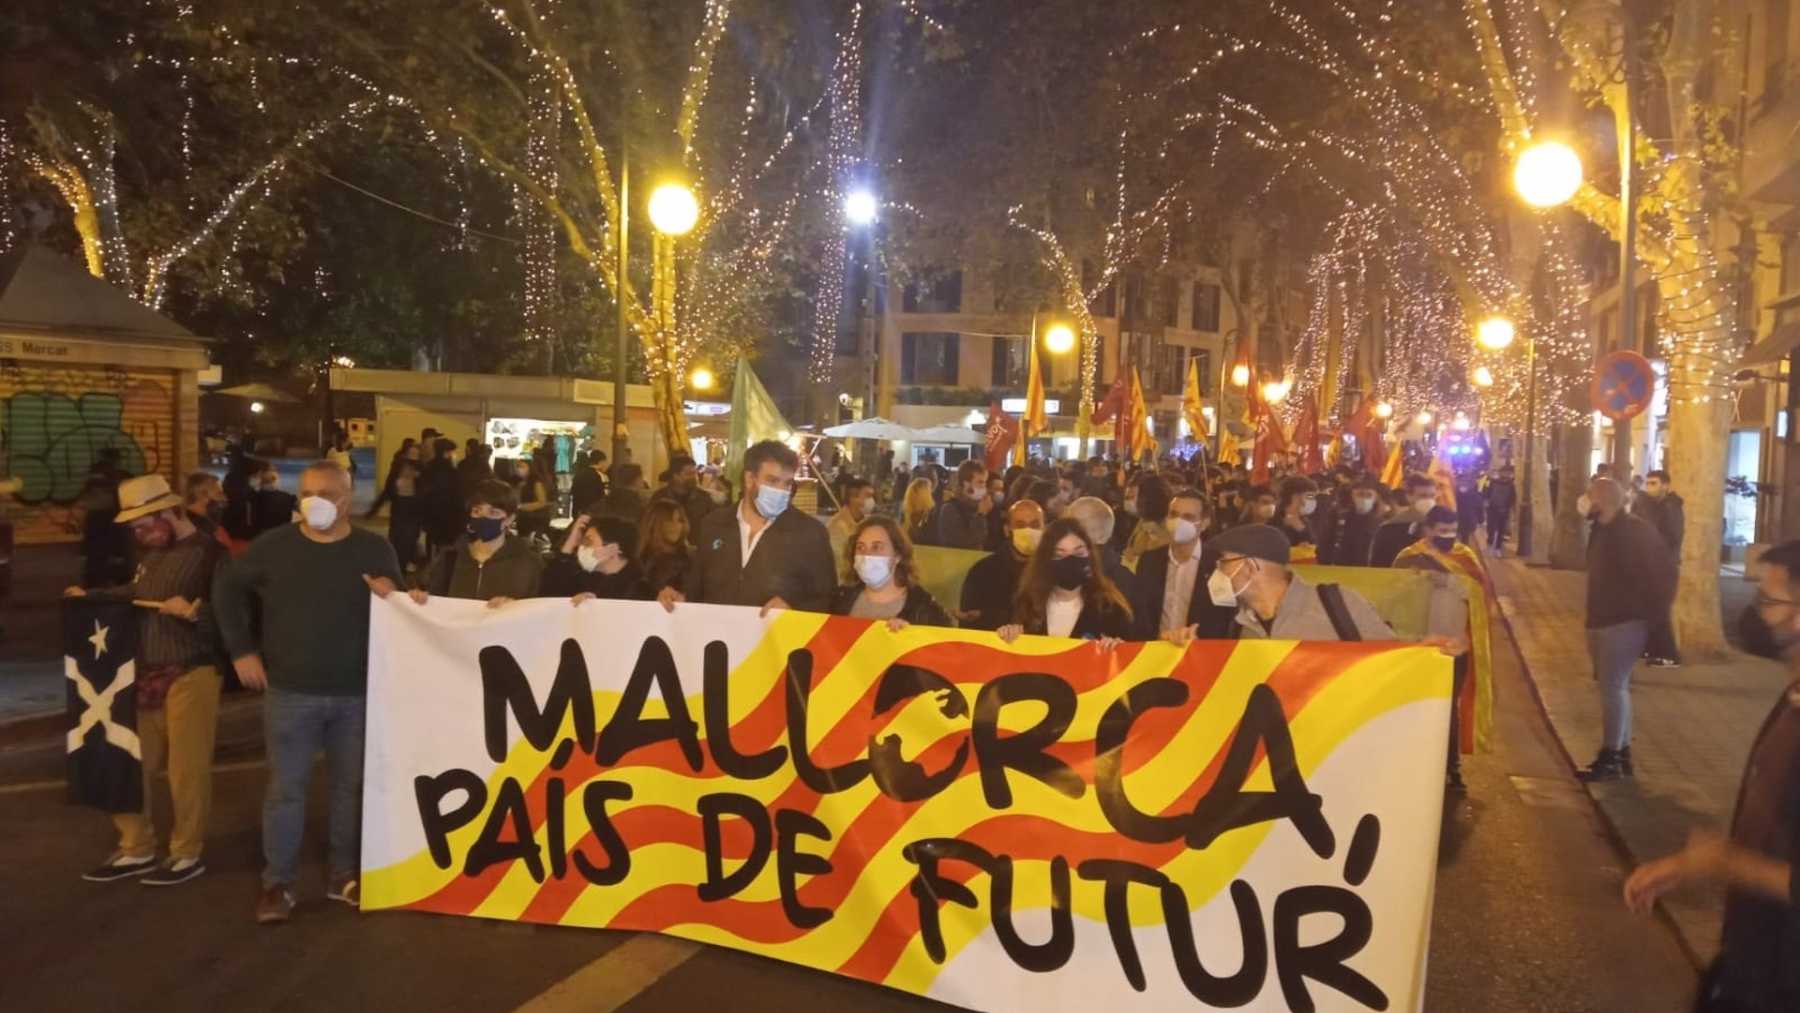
(1613, 833)
(32, 727)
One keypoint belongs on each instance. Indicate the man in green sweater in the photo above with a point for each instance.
(312, 580)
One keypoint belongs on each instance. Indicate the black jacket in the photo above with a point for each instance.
(1501, 496)
(1353, 540)
(989, 588)
(1214, 623)
(920, 609)
(792, 561)
(1631, 573)
(1101, 619)
(1396, 533)
(1667, 515)
(694, 502)
(959, 525)
(515, 570)
(564, 578)
(586, 490)
(667, 570)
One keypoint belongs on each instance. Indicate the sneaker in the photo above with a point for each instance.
(176, 871)
(1663, 663)
(274, 904)
(120, 866)
(344, 889)
(1606, 767)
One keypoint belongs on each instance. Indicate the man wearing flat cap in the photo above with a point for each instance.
(1275, 603)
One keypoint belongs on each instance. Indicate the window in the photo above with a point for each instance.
(944, 295)
(929, 357)
(1010, 362)
(1206, 307)
(1171, 302)
(1169, 375)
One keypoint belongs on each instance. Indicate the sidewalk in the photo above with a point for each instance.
(1692, 728)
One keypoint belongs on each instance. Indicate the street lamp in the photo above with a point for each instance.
(1240, 375)
(1547, 174)
(674, 209)
(1275, 391)
(1494, 333)
(1484, 377)
(701, 378)
(860, 208)
(1423, 418)
(1384, 410)
(1059, 338)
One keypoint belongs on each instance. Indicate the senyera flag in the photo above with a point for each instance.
(1041, 826)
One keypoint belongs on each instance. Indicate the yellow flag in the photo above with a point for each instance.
(1393, 473)
(1444, 477)
(1193, 406)
(1034, 421)
(1137, 422)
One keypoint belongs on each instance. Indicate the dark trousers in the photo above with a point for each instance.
(1497, 522)
(1458, 678)
(1662, 639)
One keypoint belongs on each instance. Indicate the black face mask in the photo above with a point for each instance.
(1444, 544)
(1756, 635)
(1071, 572)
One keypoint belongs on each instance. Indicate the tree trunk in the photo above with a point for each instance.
(1568, 545)
(1543, 512)
(1694, 454)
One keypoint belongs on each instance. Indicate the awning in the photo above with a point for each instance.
(949, 434)
(872, 429)
(1774, 348)
(258, 392)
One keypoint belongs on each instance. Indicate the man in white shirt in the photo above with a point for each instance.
(1172, 602)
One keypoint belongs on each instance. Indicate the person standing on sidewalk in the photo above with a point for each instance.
(1662, 507)
(312, 579)
(177, 686)
(1502, 496)
(1758, 967)
(1630, 584)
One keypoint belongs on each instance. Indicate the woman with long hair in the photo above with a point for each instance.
(1150, 504)
(885, 582)
(537, 497)
(915, 510)
(663, 550)
(1064, 591)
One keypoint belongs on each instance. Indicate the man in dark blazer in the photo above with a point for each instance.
(759, 552)
(1189, 515)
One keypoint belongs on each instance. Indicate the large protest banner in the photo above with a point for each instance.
(1040, 826)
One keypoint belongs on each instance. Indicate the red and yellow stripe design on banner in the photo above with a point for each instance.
(1328, 691)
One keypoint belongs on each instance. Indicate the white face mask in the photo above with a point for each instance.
(320, 513)
(592, 559)
(1025, 540)
(875, 571)
(1364, 504)
(1184, 530)
(1220, 589)
(1307, 506)
(1424, 504)
(868, 505)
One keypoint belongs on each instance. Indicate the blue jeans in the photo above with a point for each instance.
(1615, 649)
(297, 727)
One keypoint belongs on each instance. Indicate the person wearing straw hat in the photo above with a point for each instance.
(177, 682)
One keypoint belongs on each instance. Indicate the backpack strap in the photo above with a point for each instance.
(1331, 597)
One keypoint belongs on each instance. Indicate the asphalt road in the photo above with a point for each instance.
(1527, 917)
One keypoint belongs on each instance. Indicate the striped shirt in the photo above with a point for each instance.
(184, 568)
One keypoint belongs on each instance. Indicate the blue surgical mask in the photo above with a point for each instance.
(770, 501)
(486, 529)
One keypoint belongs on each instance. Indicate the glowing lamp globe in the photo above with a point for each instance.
(1384, 410)
(860, 207)
(1240, 375)
(1275, 391)
(674, 209)
(701, 379)
(1484, 377)
(1547, 174)
(1423, 418)
(256, 407)
(1059, 338)
(1494, 333)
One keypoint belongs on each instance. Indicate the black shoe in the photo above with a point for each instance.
(175, 872)
(1625, 762)
(1453, 783)
(120, 867)
(1606, 767)
(1663, 663)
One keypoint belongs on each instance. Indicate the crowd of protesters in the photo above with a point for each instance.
(247, 578)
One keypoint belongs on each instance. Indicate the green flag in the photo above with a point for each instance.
(754, 418)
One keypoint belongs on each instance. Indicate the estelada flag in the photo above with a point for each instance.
(1002, 434)
(99, 664)
(1306, 438)
(1193, 406)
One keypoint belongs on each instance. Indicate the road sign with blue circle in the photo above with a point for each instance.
(1623, 385)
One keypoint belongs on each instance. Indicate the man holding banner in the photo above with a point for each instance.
(761, 553)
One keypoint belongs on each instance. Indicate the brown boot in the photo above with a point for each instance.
(274, 904)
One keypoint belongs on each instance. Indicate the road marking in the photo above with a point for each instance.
(29, 786)
(619, 976)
